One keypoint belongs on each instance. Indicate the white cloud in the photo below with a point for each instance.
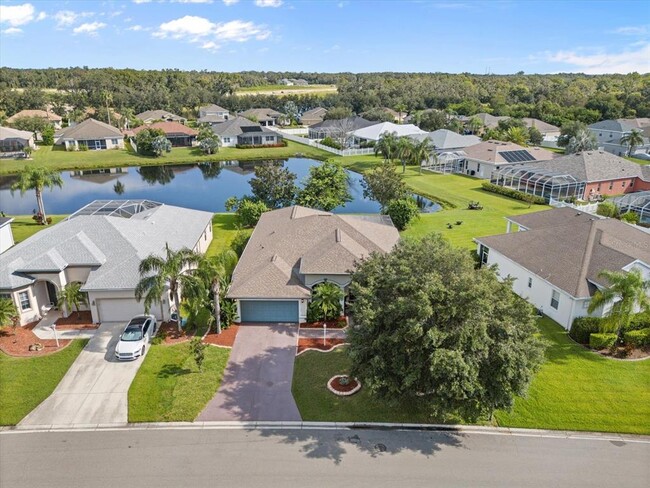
(632, 30)
(89, 28)
(141, 1)
(135, 28)
(12, 31)
(239, 31)
(191, 1)
(268, 3)
(41, 16)
(65, 18)
(210, 46)
(16, 15)
(189, 26)
(228, 3)
(622, 62)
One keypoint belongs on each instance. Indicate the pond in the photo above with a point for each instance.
(201, 186)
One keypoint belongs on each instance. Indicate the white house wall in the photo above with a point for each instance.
(6, 238)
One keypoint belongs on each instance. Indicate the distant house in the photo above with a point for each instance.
(265, 116)
(300, 82)
(587, 175)
(6, 235)
(91, 134)
(313, 116)
(150, 116)
(335, 127)
(447, 140)
(375, 131)
(286, 82)
(14, 140)
(212, 114)
(178, 134)
(557, 255)
(481, 159)
(244, 132)
(609, 134)
(48, 116)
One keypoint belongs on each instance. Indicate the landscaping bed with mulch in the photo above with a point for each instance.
(76, 321)
(623, 352)
(338, 323)
(18, 345)
(341, 388)
(322, 345)
(225, 339)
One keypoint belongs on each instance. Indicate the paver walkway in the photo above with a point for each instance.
(43, 330)
(257, 381)
(94, 390)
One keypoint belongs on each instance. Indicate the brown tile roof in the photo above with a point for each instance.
(169, 128)
(489, 151)
(292, 241)
(570, 255)
(35, 113)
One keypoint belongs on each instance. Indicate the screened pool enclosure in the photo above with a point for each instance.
(542, 183)
(638, 203)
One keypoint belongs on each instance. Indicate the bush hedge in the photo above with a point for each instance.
(283, 143)
(639, 321)
(583, 327)
(637, 338)
(601, 341)
(509, 192)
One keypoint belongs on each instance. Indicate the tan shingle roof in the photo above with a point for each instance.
(169, 128)
(490, 151)
(295, 240)
(35, 113)
(91, 129)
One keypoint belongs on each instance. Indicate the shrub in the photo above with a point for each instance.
(239, 242)
(583, 327)
(637, 338)
(630, 217)
(639, 321)
(47, 135)
(509, 192)
(607, 209)
(329, 142)
(601, 341)
(247, 211)
(402, 212)
(282, 143)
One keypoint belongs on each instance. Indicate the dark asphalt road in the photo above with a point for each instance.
(310, 458)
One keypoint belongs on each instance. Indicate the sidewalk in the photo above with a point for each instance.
(43, 329)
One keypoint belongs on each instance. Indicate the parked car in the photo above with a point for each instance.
(135, 337)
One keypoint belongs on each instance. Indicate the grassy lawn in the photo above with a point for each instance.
(637, 160)
(579, 390)
(169, 387)
(26, 382)
(64, 160)
(574, 390)
(223, 232)
(24, 226)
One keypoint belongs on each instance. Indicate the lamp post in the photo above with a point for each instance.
(324, 333)
(56, 338)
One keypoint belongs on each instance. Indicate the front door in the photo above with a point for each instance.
(51, 292)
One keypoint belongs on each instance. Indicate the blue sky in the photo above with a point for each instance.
(474, 36)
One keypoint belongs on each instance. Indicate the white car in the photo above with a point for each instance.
(137, 334)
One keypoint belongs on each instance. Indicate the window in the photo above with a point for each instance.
(611, 185)
(5, 296)
(226, 139)
(485, 252)
(270, 138)
(23, 296)
(623, 184)
(598, 186)
(530, 282)
(114, 142)
(555, 299)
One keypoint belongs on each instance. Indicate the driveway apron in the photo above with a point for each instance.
(257, 381)
(94, 390)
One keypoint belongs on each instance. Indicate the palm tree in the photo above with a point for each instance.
(584, 140)
(8, 312)
(632, 139)
(71, 297)
(474, 125)
(108, 99)
(214, 271)
(159, 273)
(518, 135)
(417, 117)
(327, 298)
(119, 187)
(404, 150)
(387, 146)
(626, 289)
(37, 178)
(423, 151)
(400, 108)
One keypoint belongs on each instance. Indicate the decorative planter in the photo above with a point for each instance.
(333, 384)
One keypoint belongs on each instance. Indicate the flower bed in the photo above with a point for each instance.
(76, 321)
(225, 339)
(170, 335)
(338, 323)
(18, 345)
(318, 343)
(335, 386)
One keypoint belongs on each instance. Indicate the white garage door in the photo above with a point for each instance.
(118, 309)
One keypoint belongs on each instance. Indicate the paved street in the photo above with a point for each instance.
(257, 381)
(309, 458)
(94, 390)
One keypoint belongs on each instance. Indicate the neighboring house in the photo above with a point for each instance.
(548, 131)
(313, 116)
(300, 82)
(609, 134)
(98, 175)
(286, 82)
(150, 116)
(6, 235)
(91, 133)
(264, 116)
(14, 140)
(47, 115)
(481, 159)
(101, 247)
(587, 176)
(241, 131)
(374, 132)
(447, 140)
(338, 128)
(557, 256)
(178, 134)
(212, 114)
(295, 248)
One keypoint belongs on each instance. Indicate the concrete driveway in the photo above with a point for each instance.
(94, 390)
(257, 381)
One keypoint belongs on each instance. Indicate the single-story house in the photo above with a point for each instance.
(265, 116)
(285, 82)
(14, 140)
(481, 159)
(49, 116)
(178, 134)
(447, 140)
(212, 114)
(586, 175)
(241, 131)
(374, 132)
(100, 246)
(338, 128)
(609, 133)
(294, 249)
(150, 116)
(557, 255)
(6, 234)
(91, 133)
(313, 116)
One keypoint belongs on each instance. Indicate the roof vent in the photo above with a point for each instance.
(274, 258)
(338, 235)
(294, 211)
